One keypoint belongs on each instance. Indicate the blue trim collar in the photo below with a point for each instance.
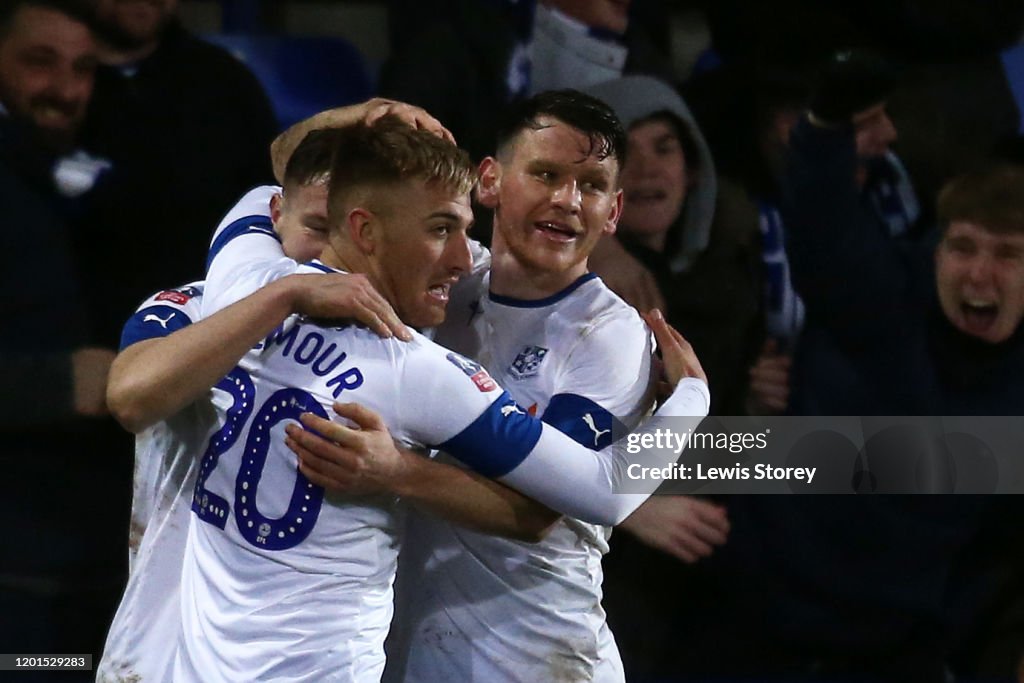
(546, 301)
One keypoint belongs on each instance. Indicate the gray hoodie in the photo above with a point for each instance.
(634, 98)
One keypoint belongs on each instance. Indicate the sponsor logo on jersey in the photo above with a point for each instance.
(179, 296)
(474, 371)
(527, 363)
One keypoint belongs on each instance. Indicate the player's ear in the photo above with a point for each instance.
(611, 225)
(490, 183)
(362, 229)
(276, 208)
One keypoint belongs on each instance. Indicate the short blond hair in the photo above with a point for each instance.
(390, 152)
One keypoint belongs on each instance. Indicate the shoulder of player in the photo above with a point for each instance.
(602, 317)
(187, 299)
(254, 204)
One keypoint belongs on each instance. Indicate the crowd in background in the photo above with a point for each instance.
(794, 252)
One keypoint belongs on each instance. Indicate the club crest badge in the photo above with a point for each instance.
(527, 362)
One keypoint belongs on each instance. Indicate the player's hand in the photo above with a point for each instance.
(676, 353)
(625, 275)
(355, 460)
(769, 381)
(90, 370)
(685, 527)
(284, 144)
(414, 116)
(346, 295)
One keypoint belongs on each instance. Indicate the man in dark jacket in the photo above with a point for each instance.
(63, 489)
(186, 128)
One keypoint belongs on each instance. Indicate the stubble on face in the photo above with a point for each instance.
(554, 199)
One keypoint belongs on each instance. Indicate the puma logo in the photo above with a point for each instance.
(155, 317)
(509, 409)
(589, 419)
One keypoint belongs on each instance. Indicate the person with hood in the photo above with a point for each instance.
(670, 248)
(671, 252)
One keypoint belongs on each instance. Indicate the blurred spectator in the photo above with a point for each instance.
(748, 113)
(187, 129)
(951, 114)
(954, 100)
(804, 31)
(705, 271)
(671, 250)
(852, 91)
(464, 61)
(884, 587)
(63, 553)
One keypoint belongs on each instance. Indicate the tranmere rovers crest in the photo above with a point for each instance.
(527, 362)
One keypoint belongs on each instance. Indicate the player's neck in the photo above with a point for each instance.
(515, 279)
(332, 258)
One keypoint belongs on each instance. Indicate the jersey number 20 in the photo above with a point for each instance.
(259, 530)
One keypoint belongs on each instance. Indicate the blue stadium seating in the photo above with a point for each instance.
(301, 74)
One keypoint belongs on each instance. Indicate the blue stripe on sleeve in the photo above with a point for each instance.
(582, 420)
(497, 441)
(243, 226)
(153, 322)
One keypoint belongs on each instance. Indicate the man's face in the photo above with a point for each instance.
(980, 279)
(47, 65)
(655, 180)
(300, 220)
(553, 199)
(130, 24)
(612, 15)
(874, 132)
(421, 250)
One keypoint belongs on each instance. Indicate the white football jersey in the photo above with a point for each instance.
(482, 608)
(140, 640)
(245, 252)
(280, 579)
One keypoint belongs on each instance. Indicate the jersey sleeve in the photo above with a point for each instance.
(163, 313)
(476, 424)
(458, 407)
(245, 253)
(585, 484)
(605, 383)
(481, 256)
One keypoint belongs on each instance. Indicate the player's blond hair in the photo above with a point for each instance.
(371, 158)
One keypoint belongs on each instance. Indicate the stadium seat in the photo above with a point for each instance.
(301, 74)
(1013, 67)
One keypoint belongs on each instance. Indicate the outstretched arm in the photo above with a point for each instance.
(849, 273)
(452, 493)
(556, 470)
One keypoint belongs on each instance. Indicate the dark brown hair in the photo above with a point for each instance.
(992, 197)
